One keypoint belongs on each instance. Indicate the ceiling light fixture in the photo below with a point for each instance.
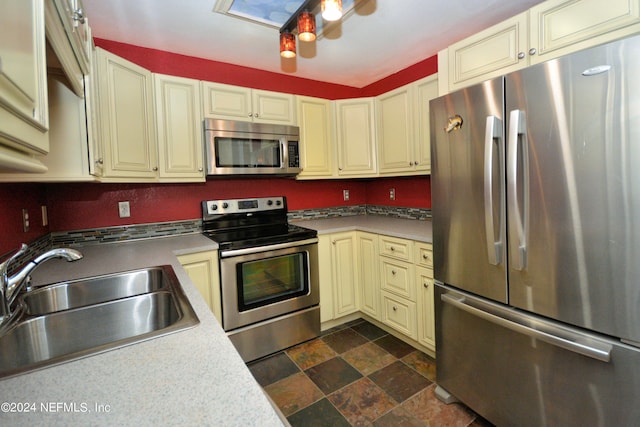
(287, 45)
(304, 22)
(331, 9)
(306, 26)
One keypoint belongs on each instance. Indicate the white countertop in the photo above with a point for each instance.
(419, 230)
(192, 377)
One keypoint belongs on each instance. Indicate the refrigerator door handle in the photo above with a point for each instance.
(493, 138)
(517, 322)
(518, 193)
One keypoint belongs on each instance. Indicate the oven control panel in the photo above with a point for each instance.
(231, 206)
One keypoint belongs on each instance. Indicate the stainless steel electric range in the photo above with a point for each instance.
(268, 274)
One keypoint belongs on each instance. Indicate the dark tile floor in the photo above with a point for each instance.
(357, 375)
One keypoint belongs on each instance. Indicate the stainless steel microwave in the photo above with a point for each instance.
(246, 148)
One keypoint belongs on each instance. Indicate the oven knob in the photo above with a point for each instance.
(225, 205)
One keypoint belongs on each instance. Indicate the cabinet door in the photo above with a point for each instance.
(230, 102)
(179, 128)
(24, 117)
(345, 274)
(128, 119)
(495, 51)
(368, 273)
(316, 141)
(273, 107)
(202, 268)
(424, 91)
(559, 27)
(426, 314)
(325, 270)
(356, 137)
(400, 314)
(395, 131)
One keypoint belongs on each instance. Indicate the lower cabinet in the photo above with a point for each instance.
(388, 279)
(202, 268)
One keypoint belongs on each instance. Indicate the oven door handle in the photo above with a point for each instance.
(257, 249)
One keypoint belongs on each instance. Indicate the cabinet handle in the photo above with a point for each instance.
(200, 169)
(78, 16)
(425, 257)
(100, 161)
(256, 115)
(392, 249)
(425, 285)
(155, 168)
(250, 114)
(521, 55)
(416, 163)
(532, 51)
(333, 242)
(393, 272)
(395, 308)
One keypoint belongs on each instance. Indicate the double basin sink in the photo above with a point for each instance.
(68, 320)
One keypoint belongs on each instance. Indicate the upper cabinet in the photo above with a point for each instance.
(127, 119)
(179, 128)
(355, 122)
(317, 148)
(403, 128)
(222, 101)
(24, 117)
(546, 31)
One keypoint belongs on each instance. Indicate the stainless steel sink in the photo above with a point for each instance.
(82, 292)
(94, 315)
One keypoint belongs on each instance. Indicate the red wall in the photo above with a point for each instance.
(14, 198)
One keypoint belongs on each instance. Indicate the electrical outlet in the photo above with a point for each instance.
(25, 220)
(392, 194)
(345, 195)
(123, 209)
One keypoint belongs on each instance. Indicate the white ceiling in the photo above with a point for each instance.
(379, 39)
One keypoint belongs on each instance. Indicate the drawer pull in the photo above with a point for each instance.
(425, 257)
(393, 272)
(426, 285)
(395, 308)
(392, 248)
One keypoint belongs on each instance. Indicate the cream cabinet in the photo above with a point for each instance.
(497, 50)
(398, 290)
(424, 90)
(394, 119)
(68, 159)
(24, 117)
(127, 120)
(339, 287)
(179, 124)
(548, 30)
(202, 268)
(559, 27)
(369, 276)
(404, 146)
(356, 137)
(76, 27)
(222, 101)
(317, 148)
(425, 289)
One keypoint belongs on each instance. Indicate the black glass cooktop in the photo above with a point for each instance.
(259, 235)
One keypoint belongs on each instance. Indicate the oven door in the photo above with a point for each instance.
(264, 282)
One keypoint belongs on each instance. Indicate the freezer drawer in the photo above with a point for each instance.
(518, 369)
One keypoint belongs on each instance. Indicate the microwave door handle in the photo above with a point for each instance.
(283, 154)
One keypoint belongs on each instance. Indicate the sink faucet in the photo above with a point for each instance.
(10, 286)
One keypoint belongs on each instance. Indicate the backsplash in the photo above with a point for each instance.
(172, 228)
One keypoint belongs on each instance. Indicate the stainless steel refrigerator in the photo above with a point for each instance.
(536, 221)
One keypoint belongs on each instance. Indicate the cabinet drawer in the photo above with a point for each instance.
(400, 314)
(424, 255)
(396, 248)
(397, 277)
